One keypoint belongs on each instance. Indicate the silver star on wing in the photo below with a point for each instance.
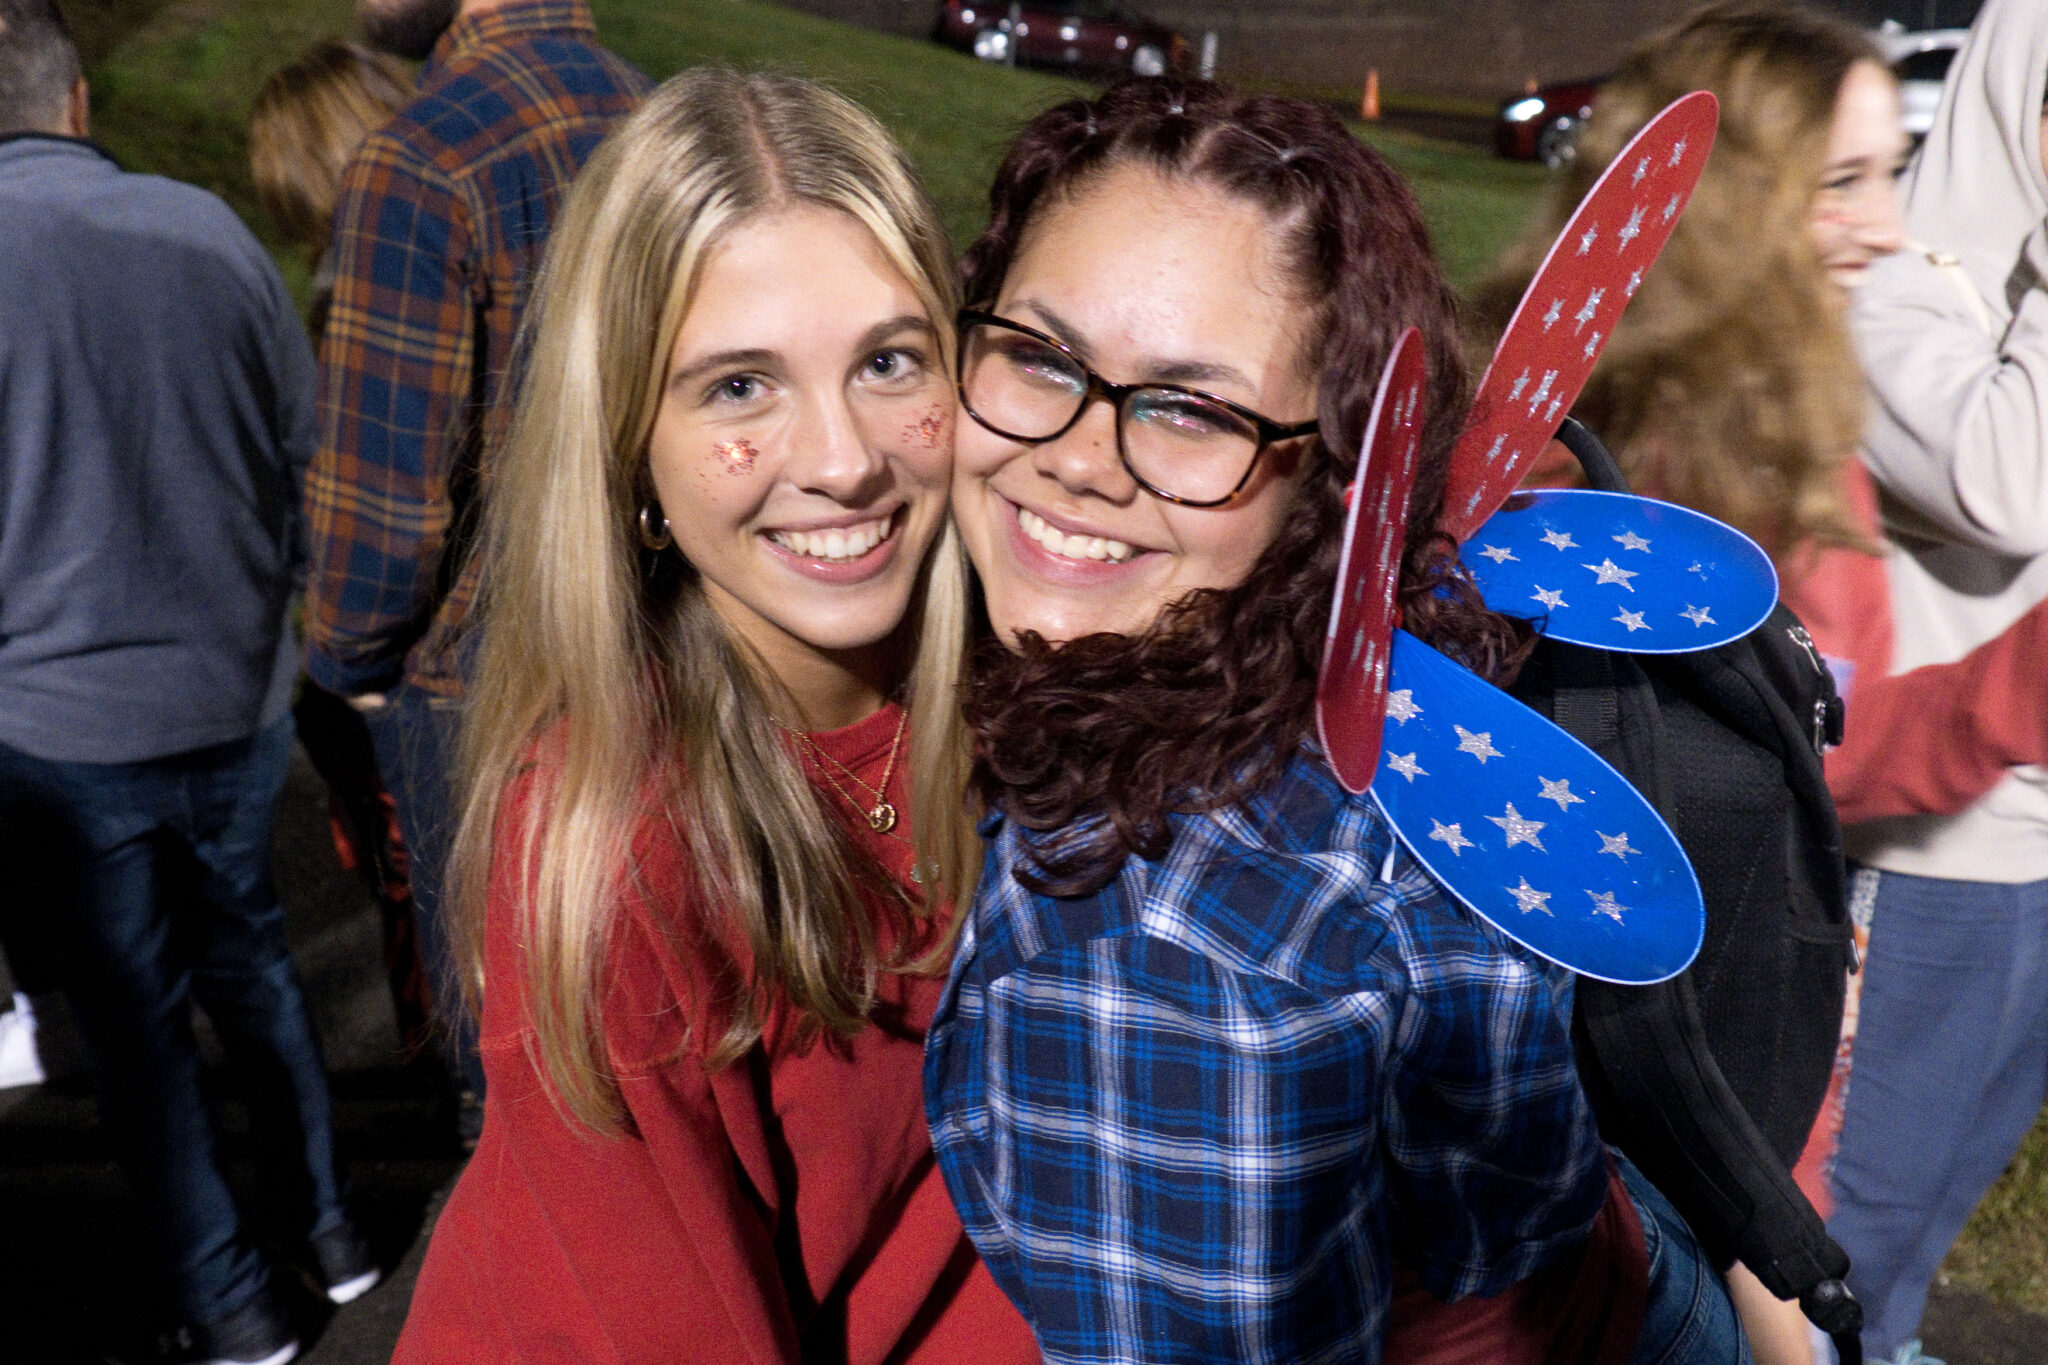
(1631, 229)
(1642, 169)
(1551, 597)
(1587, 238)
(1406, 765)
(1633, 620)
(1451, 837)
(1480, 746)
(1605, 904)
(1559, 791)
(1529, 898)
(1499, 554)
(1401, 706)
(1617, 844)
(1607, 571)
(1629, 540)
(1560, 540)
(1671, 209)
(1698, 615)
(1518, 830)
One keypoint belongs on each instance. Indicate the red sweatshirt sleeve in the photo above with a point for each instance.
(1932, 740)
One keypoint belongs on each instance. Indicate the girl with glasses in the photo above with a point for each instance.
(714, 760)
(1220, 1073)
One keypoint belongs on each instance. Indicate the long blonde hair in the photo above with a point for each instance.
(613, 683)
(1730, 385)
(308, 120)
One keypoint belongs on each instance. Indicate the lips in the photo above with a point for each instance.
(1058, 542)
(839, 543)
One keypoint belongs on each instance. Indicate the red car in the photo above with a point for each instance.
(1081, 35)
(1543, 124)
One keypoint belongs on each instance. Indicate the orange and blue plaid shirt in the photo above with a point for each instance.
(438, 232)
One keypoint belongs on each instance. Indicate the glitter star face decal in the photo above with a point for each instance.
(929, 430)
(1480, 746)
(737, 457)
(1647, 577)
(1536, 819)
(1611, 240)
(1351, 690)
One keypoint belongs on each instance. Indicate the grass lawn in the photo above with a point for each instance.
(173, 80)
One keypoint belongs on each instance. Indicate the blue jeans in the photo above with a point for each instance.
(1950, 1070)
(164, 869)
(414, 734)
(1689, 1318)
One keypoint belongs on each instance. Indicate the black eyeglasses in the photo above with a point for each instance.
(1180, 444)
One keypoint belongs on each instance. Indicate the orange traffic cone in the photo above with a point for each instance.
(1369, 107)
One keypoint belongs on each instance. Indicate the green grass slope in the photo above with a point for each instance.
(173, 82)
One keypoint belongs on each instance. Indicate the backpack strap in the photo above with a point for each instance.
(1951, 269)
(1644, 1051)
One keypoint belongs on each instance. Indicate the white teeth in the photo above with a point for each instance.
(1071, 547)
(849, 542)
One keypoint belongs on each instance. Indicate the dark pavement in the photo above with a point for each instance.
(74, 1279)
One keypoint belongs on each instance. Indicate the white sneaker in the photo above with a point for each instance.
(20, 1064)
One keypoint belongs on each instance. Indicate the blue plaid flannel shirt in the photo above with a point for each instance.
(1201, 1114)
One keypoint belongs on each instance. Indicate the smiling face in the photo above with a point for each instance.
(804, 437)
(1146, 279)
(1856, 215)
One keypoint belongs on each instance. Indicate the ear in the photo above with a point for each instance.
(78, 110)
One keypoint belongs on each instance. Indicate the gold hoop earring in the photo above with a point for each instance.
(651, 538)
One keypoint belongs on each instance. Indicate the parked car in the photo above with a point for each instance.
(1543, 125)
(1082, 35)
(1920, 61)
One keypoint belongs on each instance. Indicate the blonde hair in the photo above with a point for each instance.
(309, 118)
(634, 694)
(1730, 384)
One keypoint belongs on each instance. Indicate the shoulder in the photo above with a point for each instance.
(503, 95)
(1303, 889)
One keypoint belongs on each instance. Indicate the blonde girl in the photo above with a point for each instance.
(714, 762)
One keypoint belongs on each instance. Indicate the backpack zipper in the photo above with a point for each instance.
(1820, 705)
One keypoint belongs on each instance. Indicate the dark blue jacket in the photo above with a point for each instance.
(156, 418)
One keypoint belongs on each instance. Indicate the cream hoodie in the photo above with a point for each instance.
(1954, 337)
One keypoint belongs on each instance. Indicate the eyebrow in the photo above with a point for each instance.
(759, 357)
(1154, 371)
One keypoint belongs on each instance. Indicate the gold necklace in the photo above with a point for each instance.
(881, 817)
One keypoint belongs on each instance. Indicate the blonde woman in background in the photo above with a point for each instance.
(714, 768)
(308, 120)
(1732, 386)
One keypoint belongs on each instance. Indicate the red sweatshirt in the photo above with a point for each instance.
(784, 1208)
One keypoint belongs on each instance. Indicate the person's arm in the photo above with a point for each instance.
(1959, 431)
(395, 374)
(1499, 1163)
(655, 1245)
(1932, 740)
(294, 415)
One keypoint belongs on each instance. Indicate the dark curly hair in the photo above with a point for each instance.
(1102, 738)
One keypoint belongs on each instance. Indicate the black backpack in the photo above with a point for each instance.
(1711, 1082)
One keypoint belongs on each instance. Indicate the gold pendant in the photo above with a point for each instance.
(882, 818)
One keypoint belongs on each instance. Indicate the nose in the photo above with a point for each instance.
(1084, 460)
(832, 457)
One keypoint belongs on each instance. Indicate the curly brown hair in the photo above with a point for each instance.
(1730, 385)
(1103, 738)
